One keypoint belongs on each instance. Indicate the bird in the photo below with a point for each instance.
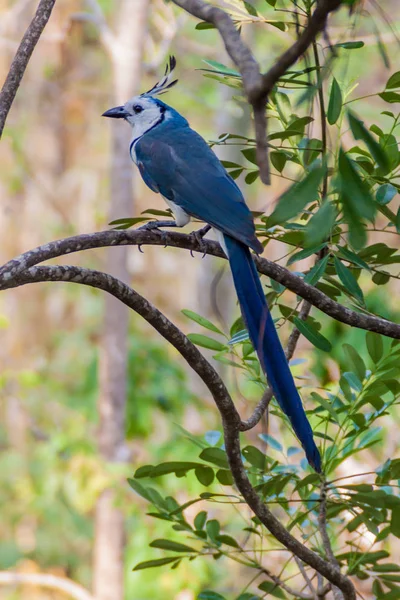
(175, 161)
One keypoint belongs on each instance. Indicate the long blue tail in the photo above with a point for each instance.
(266, 342)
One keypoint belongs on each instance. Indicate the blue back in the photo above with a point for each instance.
(176, 161)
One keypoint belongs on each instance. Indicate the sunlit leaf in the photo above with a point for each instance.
(205, 342)
(148, 564)
(201, 320)
(170, 545)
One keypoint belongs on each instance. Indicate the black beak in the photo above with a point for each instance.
(118, 112)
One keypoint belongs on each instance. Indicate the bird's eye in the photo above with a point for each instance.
(137, 109)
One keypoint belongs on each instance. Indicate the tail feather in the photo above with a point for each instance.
(266, 342)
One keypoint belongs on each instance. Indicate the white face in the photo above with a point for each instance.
(142, 114)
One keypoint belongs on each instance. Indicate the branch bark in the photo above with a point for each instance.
(140, 237)
(230, 416)
(21, 59)
(258, 86)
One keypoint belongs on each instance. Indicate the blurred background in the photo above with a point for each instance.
(65, 446)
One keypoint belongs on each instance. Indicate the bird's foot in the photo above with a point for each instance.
(155, 225)
(198, 236)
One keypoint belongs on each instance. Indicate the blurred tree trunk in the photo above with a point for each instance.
(109, 520)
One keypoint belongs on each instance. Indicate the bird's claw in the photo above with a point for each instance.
(198, 236)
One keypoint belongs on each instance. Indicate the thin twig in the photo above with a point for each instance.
(326, 542)
(137, 237)
(268, 394)
(230, 416)
(22, 57)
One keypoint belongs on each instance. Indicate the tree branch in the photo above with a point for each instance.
(258, 86)
(22, 57)
(61, 584)
(140, 237)
(229, 414)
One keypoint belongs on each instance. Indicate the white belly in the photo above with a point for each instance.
(181, 217)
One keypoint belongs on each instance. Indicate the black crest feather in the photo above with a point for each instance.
(165, 83)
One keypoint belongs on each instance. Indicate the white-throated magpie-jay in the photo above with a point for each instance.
(176, 162)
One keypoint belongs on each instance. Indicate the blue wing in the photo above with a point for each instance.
(178, 163)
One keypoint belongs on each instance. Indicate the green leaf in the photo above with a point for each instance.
(216, 456)
(328, 406)
(321, 224)
(201, 320)
(205, 475)
(348, 280)
(178, 467)
(209, 595)
(139, 489)
(220, 68)
(354, 190)
(228, 540)
(213, 528)
(200, 519)
(315, 274)
(225, 477)
(205, 342)
(349, 45)
(278, 160)
(335, 103)
(313, 336)
(305, 253)
(353, 258)
(156, 212)
(374, 345)
(390, 97)
(250, 154)
(127, 223)
(272, 588)
(395, 522)
(312, 149)
(297, 196)
(205, 25)
(385, 193)
(255, 457)
(148, 564)
(361, 133)
(251, 177)
(393, 81)
(170, 545)
(356, 361)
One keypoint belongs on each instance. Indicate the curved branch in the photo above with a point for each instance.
(230, 416)
(140, 237)
(22, 57)
(61, 584)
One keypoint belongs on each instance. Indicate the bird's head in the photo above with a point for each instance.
(145, 111)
